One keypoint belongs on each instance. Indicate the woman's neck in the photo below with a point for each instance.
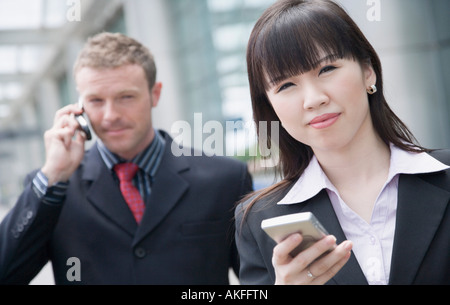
(355, 161)
(358, 172)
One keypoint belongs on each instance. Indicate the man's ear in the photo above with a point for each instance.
(156, 93)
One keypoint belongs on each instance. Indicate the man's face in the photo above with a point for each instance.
(119, 104)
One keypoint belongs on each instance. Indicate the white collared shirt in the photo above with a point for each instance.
(372, 243)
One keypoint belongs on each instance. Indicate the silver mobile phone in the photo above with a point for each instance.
(279, 228)
(84, 126)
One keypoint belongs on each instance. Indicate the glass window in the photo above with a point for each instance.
(8, 62)
(20, 14)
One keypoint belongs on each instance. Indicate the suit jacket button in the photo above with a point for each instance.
(140, 252)
(20, 228)
(15, 233)
(29, 215)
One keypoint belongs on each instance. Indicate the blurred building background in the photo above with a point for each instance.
(199, 47)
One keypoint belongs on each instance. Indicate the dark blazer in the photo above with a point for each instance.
(421, 252)
(186, 235)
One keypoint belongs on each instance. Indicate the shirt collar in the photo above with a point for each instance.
(148, 160)
(313, 179)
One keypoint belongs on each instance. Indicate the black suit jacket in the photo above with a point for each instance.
(421, 252)
(186, 235)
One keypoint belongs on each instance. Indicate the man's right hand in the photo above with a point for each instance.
(64, 145)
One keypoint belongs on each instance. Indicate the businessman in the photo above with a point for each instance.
(127, 211)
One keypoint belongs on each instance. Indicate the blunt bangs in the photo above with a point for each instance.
(298, 40)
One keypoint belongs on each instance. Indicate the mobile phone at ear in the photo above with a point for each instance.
(279, 228)
(84, 126)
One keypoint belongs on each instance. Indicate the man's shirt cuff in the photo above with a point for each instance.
(54, 194)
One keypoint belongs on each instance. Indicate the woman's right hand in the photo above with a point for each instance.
(312, 266)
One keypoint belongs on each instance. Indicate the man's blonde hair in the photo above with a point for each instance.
(112, 50)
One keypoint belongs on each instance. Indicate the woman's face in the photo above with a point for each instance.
(326, 108)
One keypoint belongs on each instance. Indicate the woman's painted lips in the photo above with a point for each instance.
(324, 121)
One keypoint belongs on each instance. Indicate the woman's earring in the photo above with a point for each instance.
(372, 89)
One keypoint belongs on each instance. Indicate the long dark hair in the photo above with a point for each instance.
(288, 40)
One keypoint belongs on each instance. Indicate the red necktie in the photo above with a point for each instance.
(126, 172)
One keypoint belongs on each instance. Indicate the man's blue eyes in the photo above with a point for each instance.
(96, 100)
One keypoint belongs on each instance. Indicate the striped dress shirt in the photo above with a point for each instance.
(148, 162)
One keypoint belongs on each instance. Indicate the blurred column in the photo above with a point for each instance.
(149, 22)
(48, 102)
(412, 40)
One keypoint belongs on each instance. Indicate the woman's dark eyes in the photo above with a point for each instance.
(285, 86)
(323, 70)
(327, 69)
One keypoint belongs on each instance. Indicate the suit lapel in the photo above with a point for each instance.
(325, 213)
(321, 207)
(421, 206)
(167, 189)
(104, 193)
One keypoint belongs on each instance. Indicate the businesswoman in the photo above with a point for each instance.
(344, 156)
